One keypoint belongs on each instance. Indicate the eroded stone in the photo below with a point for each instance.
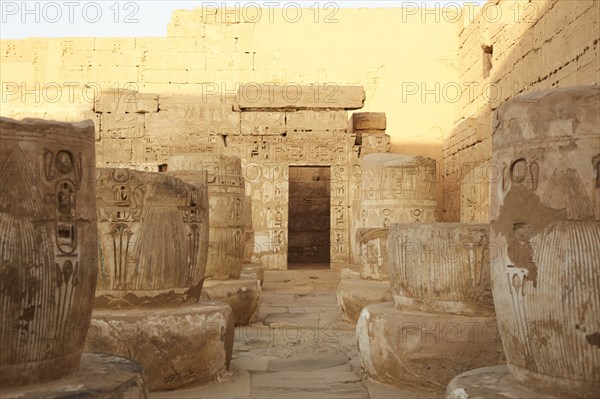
(226, 197)
(243, 295)
(423, 350)
(48, 247)
(354, 294)
(100, 376)
(152, 239)
(175, 346)
(544, 217)
(441, 268)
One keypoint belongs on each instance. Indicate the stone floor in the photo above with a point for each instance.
(298, 348)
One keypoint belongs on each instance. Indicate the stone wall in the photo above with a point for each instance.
(513, 47)
(209, 53)
(145, 131)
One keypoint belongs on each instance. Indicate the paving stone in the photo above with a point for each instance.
(334, 383)
(384, 391)
(278, 320)
(310, 362)
(254, 363)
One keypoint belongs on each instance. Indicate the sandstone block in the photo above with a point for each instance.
(354, 294)
(243, 295)
(422, 350)
(175, 346)
(125, 101)
(368, 121)
(291, 96)
(99, 376)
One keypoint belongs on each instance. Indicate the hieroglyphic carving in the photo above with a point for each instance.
(441, 267)
(134, 255)
(47, 242)
(226, 194)
(545, 225)
(397, 188)
(372, 244)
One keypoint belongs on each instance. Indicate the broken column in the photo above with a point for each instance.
(226, 196)
(394, 188)
(441, 320)
(49, 266)
(152, 246)
(545, 222)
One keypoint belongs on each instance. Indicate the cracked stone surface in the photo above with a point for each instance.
(175, 346)
(299, 347)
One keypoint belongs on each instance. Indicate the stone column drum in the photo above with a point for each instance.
(47, 243)
(152, 249)
(394, 189)
(545, 217)
(441, 322)
(48, 266)
(152, 239)
(397, 189)
(226, 197)
(441, 268)
(226, 239)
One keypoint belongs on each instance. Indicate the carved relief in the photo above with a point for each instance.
(47, 242)
(134, 254)
(549, 240)
(373, 254)
(441, 268)
(226, 194)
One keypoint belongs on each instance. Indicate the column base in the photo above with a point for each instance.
(243, 295)
(423, 350)
(100, 376)
(354, 294)
(175, 346)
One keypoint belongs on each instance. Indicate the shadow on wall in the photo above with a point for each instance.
(531, 46)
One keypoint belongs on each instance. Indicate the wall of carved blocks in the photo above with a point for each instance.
(142, 131)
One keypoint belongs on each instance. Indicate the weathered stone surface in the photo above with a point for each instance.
(152, 239)
(475, 194)
(305, 363)
(368, 121)
(441, 268)
(492, 382)
(373, 253)
(311, 121)
(48, 247)
(374, 144)
(253, 272)
(100, 376)
(226, 197)
(125, 101)
(295, 97)
(263, 123)
(175, 346)
(353, 295)
(544, 217)
(423, 350)
(397, 189)
(243, 295)
(292, 320)
(333, 383)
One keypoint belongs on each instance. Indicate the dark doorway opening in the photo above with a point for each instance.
(309, 217)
